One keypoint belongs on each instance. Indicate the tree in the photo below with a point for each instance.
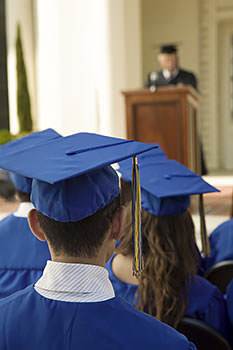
(23, 97)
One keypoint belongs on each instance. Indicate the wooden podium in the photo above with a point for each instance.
(168, 117)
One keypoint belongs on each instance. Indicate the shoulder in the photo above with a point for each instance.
(187, 73)
(151, 332)
(203, 293)
(12, 302)
(6, 220)
(8, 225)
(226, 227)
(201, 284)
(12, 220)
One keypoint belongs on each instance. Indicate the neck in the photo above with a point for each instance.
(172, 71)
(122, 267)
(98, 261)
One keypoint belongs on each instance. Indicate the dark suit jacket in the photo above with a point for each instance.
(183, 76)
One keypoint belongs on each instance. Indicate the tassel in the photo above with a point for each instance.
(136, 220)
(231, 213)
(204, 237)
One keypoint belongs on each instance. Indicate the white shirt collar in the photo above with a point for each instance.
(23, 209)
(75, 283)
(167, 74)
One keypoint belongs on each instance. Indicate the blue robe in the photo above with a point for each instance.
(205, 301)
(221, 244)
(229, 295)
(22, 256)
(29, 321)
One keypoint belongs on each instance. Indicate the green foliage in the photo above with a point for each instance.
(21, 134)
(23, 98)
(5, 136)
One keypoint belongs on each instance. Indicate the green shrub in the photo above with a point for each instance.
(5, 136)
(23, 97)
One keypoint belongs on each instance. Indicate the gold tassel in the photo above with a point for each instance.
(136, 220)
(204, 237)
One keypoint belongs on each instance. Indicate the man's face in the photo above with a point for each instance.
(168, 61)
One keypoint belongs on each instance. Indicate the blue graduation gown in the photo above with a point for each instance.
(30, 321)
(205, 301)
(221, 244)
(22, 256)
(229, 295)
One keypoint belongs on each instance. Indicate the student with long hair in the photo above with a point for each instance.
(169, 287)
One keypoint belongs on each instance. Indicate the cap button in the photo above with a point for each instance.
(167, 177)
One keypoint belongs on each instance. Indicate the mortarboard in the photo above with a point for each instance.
(32, 140)
(168, 49)
(166, 187)
(150, 157)
(23, 183)
(72, 177)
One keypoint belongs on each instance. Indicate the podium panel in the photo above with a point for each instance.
(167, 116)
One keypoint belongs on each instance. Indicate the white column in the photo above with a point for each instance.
(87, 52)
(125, 56)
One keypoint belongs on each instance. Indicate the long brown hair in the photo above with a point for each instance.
(170, 261)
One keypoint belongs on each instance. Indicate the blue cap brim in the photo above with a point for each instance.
(71, 156)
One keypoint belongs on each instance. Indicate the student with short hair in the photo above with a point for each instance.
(169, 287)
(77, 211)
(22, 256)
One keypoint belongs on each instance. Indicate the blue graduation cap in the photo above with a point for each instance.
(166, 185)
(73, 179)
(166, 188)
(32, 140)
(149, 157)
(23, 183)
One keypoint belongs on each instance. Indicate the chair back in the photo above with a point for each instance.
(221, 274)
(203, 336)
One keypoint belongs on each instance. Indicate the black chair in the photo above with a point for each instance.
(203, 336)
(221, 274)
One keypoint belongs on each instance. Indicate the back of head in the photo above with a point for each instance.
(81, 238)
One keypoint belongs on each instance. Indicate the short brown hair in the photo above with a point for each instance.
(23, 196)
(80, 238)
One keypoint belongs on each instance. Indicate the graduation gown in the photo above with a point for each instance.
(205, 301)
(221, 244)
(30, 321)
(229, 296)
(183, 77)
(22, 256)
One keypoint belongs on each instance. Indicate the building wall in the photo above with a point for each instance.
(194, 25)
(166, 21)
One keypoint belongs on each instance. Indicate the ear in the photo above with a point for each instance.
(35, 225)
(118, 223)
